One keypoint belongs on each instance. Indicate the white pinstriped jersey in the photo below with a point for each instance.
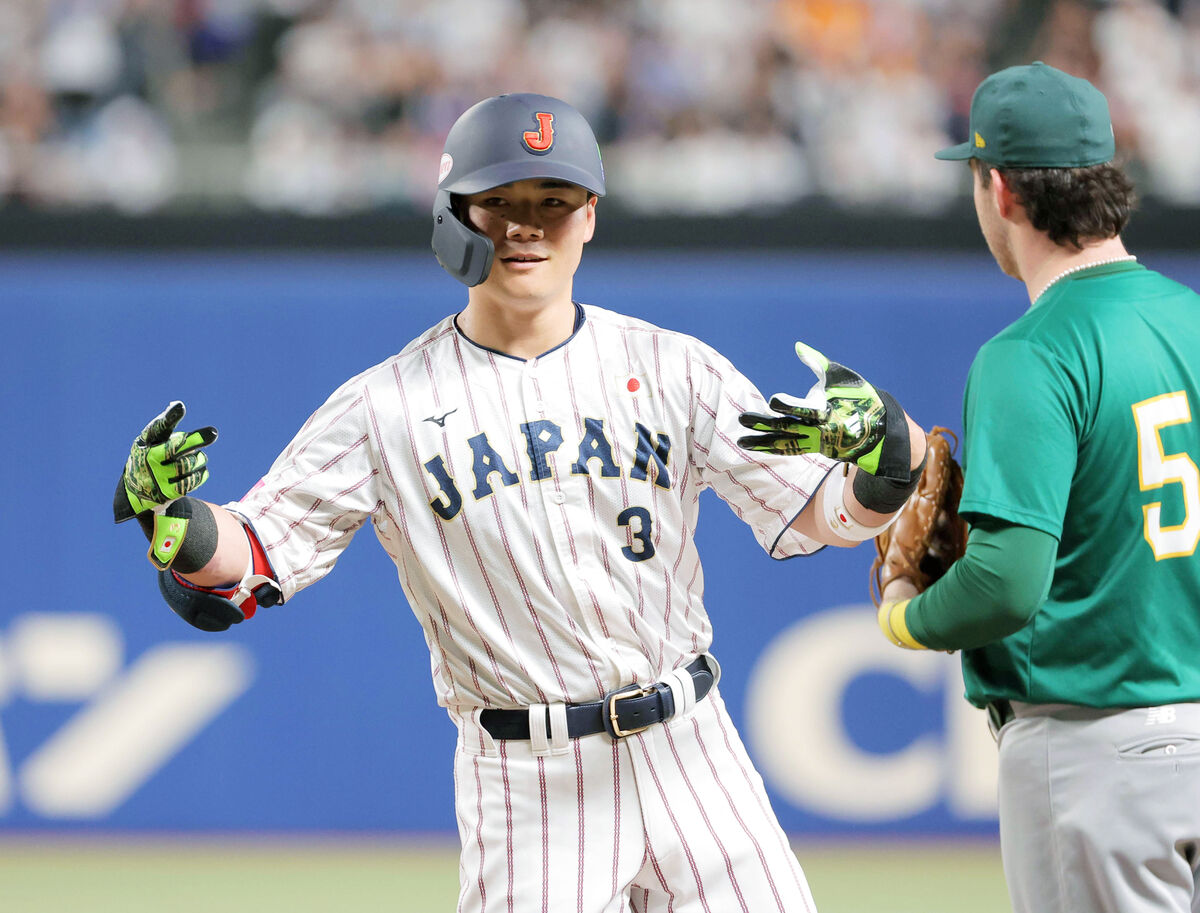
(540, 513)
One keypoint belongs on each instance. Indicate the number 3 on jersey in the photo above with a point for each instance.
(640, 524)
(1156, 469)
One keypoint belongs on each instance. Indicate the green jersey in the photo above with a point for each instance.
(1079, 423)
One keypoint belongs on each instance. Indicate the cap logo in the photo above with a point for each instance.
(445, 166)
(541, 140)
(980, 143)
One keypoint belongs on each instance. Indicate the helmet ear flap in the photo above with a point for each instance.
(463, 253)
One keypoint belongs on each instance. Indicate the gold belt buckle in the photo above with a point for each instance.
(610, 710)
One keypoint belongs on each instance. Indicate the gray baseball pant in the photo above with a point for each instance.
(1100, 809)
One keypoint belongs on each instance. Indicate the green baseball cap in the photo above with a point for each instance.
(1037, 117)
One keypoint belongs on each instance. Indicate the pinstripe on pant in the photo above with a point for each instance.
(671, 819)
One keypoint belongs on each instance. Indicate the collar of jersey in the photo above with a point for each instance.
(1100, 269)
(579, 319)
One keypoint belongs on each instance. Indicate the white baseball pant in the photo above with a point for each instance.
(674, 818)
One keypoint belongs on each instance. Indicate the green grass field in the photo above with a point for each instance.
(178, 875)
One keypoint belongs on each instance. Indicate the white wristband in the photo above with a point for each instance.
(837, 518)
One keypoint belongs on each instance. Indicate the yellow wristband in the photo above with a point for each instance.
(891, 622)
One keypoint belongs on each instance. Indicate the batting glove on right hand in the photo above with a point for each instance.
(163, 465)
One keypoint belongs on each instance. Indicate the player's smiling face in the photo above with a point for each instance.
(539, 228)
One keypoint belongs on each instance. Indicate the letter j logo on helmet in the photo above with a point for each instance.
(541, 140)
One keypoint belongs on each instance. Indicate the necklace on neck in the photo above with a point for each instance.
(1127, 258)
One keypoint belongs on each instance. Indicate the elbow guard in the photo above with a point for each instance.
(206, 609)
(219, 608)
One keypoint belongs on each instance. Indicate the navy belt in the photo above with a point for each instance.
(620, 713)
(999, 712)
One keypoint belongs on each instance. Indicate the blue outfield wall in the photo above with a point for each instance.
(319, 715)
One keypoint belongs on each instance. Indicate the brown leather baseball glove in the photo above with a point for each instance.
(929, 535)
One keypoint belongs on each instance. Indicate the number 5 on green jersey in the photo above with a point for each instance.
(1157, 469)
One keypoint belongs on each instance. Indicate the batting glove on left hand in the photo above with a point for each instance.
(163, 465)
(842, 417)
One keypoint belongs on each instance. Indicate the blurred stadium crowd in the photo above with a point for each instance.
(701, 106)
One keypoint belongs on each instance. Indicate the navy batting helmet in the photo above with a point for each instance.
(500, 140)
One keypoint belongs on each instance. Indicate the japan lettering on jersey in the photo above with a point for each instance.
(540, 513)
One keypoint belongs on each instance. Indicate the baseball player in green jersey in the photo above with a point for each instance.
(1077, 603)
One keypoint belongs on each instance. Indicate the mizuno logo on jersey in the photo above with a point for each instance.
(595, 454)
(440, 420)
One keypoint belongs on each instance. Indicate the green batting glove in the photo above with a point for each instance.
(164, 464)
(842, 417)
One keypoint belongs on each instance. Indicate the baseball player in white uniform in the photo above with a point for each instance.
(533, 466)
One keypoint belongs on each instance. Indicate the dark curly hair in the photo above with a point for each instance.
(1071, 205)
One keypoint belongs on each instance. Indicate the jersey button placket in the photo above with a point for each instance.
(548, 488)
(554, 500)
